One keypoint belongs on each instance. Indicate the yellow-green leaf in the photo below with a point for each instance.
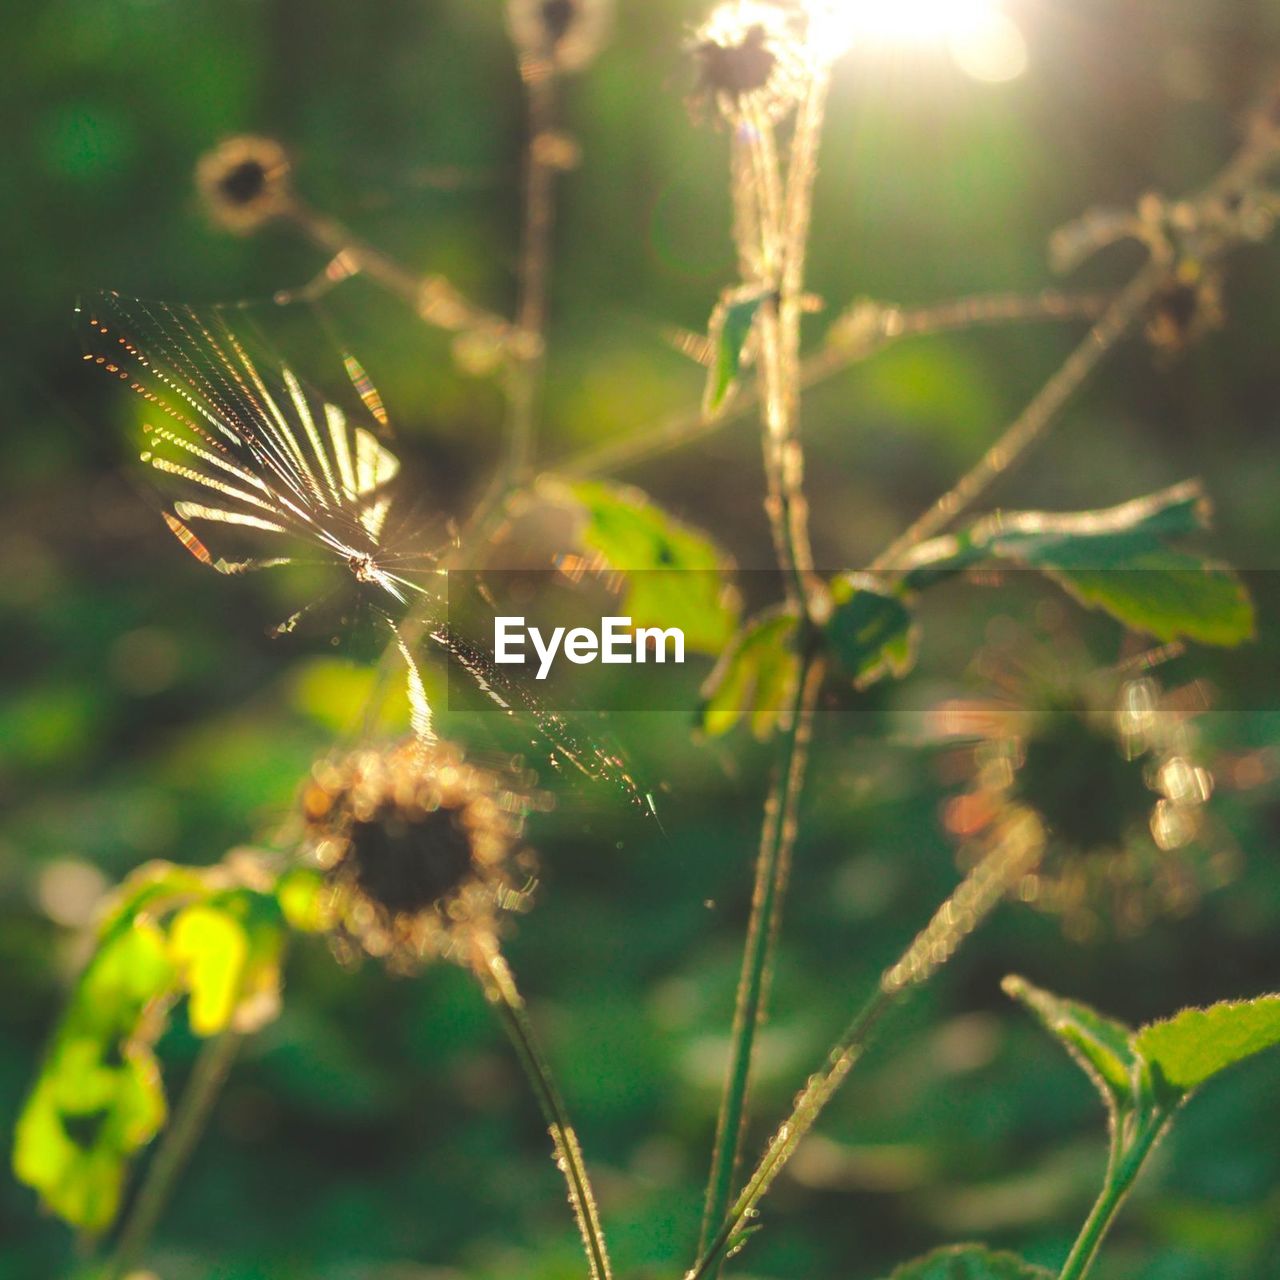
(1196, 1044)
(211, 949)
(755, 677)
(675, 575)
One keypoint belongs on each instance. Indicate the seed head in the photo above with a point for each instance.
(751, 60)
(244, 182)
(555, 36)
(419, 847)
(1110, 766)
(1187, 308)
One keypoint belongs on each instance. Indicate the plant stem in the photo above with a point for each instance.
(433, 298)
(1016, 852)
(892, 324)
(500, 987)
(1121, 1173)
(1128, 306)
(189, 1119)
(525, 376)
(771, 229)
(777, 840)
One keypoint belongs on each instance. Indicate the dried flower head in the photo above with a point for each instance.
(752, 60)
(420, 847)
(553, 36)
(1186, 308)
(1109, 764)
(244, 182)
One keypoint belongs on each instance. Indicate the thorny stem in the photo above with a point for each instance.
(777, 840)
(500, 987)
(190, 1117)
(885, 325)
(1016, 852)
(1122, 1170)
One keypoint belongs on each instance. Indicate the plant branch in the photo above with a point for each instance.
(1122, 1170)
(212, 1066)
(777, 840)
(877, 327)
(524, 377)
(500, 987)
(1016, 852)
(1036, 419)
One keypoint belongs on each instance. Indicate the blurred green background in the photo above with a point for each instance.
(379, 1130)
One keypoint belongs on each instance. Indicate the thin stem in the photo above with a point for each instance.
(1244, 169)
(781, 221)
(432, 297)
(500, 987)
(777, 841)
(1122, 1170)
(1016, 852)
(890, 324)
(1035, 420)
(189, 1119)
(785, 502)
(525, 377)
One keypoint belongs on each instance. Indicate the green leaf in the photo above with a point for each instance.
(1101, 1045)
(1115, 559)
(869, 633)
(304, 900)
(755, 677)
(729, 328)
(212, 950)
(99, 1098)
(1196, 1044)
(217, 932)
(970, 1262)
(675, 575)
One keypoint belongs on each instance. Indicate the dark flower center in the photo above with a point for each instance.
(737, 69)
(557, 18)
(1074, 776)
(407, 865)
(244, 182)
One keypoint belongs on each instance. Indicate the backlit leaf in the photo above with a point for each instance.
(675, 576)
(1101, 1045)
(754, 679)
(1117, 560)
(1196, 1044)
(729, 328)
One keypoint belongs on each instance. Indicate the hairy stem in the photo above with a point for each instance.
(1016, 852)
(500, 987)
(781, 222)
(189, 1119)
(1122, 1170)
(777, 840)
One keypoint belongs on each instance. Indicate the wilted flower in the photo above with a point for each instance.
(1108, 761)
(557, 35)
(244, 182)
(420, 847)
(752, 60)
(1186, 308)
